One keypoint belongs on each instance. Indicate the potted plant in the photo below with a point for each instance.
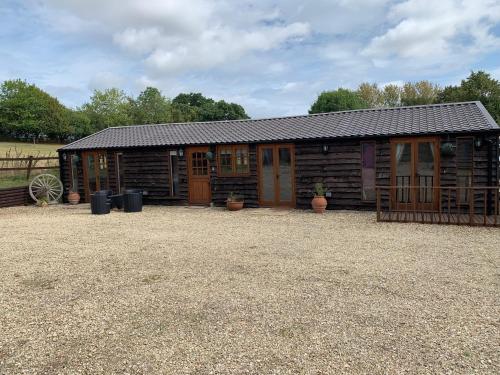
(42, 202)
(319, 202)
(234, 202)
(73, 197)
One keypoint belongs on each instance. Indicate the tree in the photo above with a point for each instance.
(418, 93)
(391, 96)
(192, 99)
(478, 86)
(108, 108)
(150, 107)
(222, 110)
(29, 112)
(184, 113)
(79, 124)
(196, 107)
(339, 100)
(371, 94)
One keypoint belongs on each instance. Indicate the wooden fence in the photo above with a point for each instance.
(27, 164)
(18, 196)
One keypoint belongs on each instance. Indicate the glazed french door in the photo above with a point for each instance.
(415, 173)
(276, 175)
(198, 176)
(95, 172)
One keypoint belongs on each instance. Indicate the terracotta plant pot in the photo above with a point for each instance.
(319, 204)
(73, 197)
(234, 205)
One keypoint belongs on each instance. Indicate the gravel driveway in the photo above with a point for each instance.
(184, 290)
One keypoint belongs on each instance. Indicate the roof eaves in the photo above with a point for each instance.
(486, 114)
(79, 140)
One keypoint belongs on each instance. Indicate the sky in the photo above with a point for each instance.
(271, 56)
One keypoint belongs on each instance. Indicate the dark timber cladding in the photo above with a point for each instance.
(278, 161)
(16, 196)
(148, 170)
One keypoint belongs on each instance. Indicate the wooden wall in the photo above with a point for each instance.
(149, 169)
(339, 170)
(16, 196)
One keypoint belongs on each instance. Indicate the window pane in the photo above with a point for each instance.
(226, 165)
(91, 173)
(267, 175)
(242, 165)
(403, 172)
(74, 172)
(285, 174)
(425, 171)
(368, 171)
(103, 172)
(199, 164)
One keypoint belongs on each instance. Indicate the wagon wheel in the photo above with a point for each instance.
(48, 186)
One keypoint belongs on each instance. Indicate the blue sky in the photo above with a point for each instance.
(272, 56)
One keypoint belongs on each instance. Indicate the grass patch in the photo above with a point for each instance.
(19, 179)
(29, 148)
(10, 179)
(13, 181)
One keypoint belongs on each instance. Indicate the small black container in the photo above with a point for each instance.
(107, 193)
(132, 202)
(117, 201)
(99, 204)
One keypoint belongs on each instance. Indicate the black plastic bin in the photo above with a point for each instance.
(107, 193)
(117, 201)
(132, 200)
(99, 204)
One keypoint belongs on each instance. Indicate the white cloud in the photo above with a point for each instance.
(398, 83)
(292, 86)
(436, 31)
(176, 36)
(219, 46)
(105, 80)
(138, 40)
(272, 56)
(495, 73)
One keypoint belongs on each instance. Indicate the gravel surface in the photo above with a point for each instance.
(183, 290)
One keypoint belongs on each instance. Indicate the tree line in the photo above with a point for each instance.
(28, 112)
(477, 86)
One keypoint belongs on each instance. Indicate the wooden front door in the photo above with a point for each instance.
(95, 172)
(276, 175)
(415, 173)
(198, 175)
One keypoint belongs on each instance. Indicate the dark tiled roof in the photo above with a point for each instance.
(424, 119)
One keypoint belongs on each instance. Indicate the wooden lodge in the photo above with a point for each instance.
(428, 161)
